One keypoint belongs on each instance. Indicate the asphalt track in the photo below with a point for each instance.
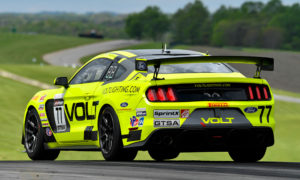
(71, 57)
(173, 170)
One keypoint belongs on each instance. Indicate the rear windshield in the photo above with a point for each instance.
(193, 68)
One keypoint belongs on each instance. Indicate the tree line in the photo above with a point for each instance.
(253, 24)
(60, 23)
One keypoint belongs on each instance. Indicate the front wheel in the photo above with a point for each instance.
(33, 139)
(162, 155)
(110, 138)
(247, 155)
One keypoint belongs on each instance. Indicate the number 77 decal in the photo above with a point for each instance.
(262, 112)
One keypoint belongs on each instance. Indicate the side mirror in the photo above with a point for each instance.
(61, 81)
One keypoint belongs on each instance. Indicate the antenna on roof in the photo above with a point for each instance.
(164, 48)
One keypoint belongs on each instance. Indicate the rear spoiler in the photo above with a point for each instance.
(262, 63)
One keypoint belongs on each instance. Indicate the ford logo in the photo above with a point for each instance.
(250, 109)
(124, 104)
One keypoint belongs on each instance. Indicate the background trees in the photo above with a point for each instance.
(150, 23)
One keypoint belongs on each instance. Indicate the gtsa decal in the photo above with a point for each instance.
(134, 121)
(184, 113)
(166, 113)
(141, 112)
(41, 107)
(42, 98)
(81, 111)
(166, 123)
(250, 109)
(215, 120)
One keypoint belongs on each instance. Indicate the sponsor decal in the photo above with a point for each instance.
(35, 98)
(41, 107)
(122, 89)
(45, 119)
(59, 96)
(184, 113)
(80, 111)
(141, 122)
(166, 123)
(124, 104)
(218, 105)
(58, 103)
(215, 120)
(250, 109)
(125, 109)
(42, 98)
(141, 112)
(166, 113)
(48, 132)
(42, 115)
(134, 121)
(45, 124)
(212, 85)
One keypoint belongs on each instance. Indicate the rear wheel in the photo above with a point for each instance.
(159, 155)
(33, 139)
(247, 155)
(110, 138)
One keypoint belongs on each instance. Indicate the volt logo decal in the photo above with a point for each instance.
(215, 120)
(81, 107)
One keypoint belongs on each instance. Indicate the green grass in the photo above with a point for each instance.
(285, 93)
(13, 103)
(14, 97)
(45, 73)
(22, 48)
(147, 45)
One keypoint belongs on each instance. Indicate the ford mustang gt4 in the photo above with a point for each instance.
(161, 101)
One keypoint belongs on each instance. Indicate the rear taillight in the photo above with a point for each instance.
(258, 92)
(161, 94)
(250, 93)
(171, 95)
(266, 93)
(151, 95)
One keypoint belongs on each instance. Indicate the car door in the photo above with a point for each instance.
(79, 105)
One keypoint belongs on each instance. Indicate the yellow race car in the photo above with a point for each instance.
(162, 101)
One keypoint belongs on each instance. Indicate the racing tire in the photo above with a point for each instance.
(110, 138)
(162, 155)
(247, 155)
(33, 138)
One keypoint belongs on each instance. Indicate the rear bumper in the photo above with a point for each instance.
(206, 139)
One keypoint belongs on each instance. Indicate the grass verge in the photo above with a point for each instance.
(45, 74)
(13, 103)
(23, 48)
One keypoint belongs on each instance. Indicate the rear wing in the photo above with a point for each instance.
(262, 63)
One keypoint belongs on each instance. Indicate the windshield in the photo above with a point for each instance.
(192, 68)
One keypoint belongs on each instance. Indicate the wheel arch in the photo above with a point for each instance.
(30, 107)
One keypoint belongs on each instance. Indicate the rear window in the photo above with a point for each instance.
(193, 68)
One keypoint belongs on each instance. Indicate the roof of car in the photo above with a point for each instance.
(151, 52)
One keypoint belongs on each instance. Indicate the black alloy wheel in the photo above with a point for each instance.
(34, 138)
(106, 132)
(111, 139)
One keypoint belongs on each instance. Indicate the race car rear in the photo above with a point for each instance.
(207, 112)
